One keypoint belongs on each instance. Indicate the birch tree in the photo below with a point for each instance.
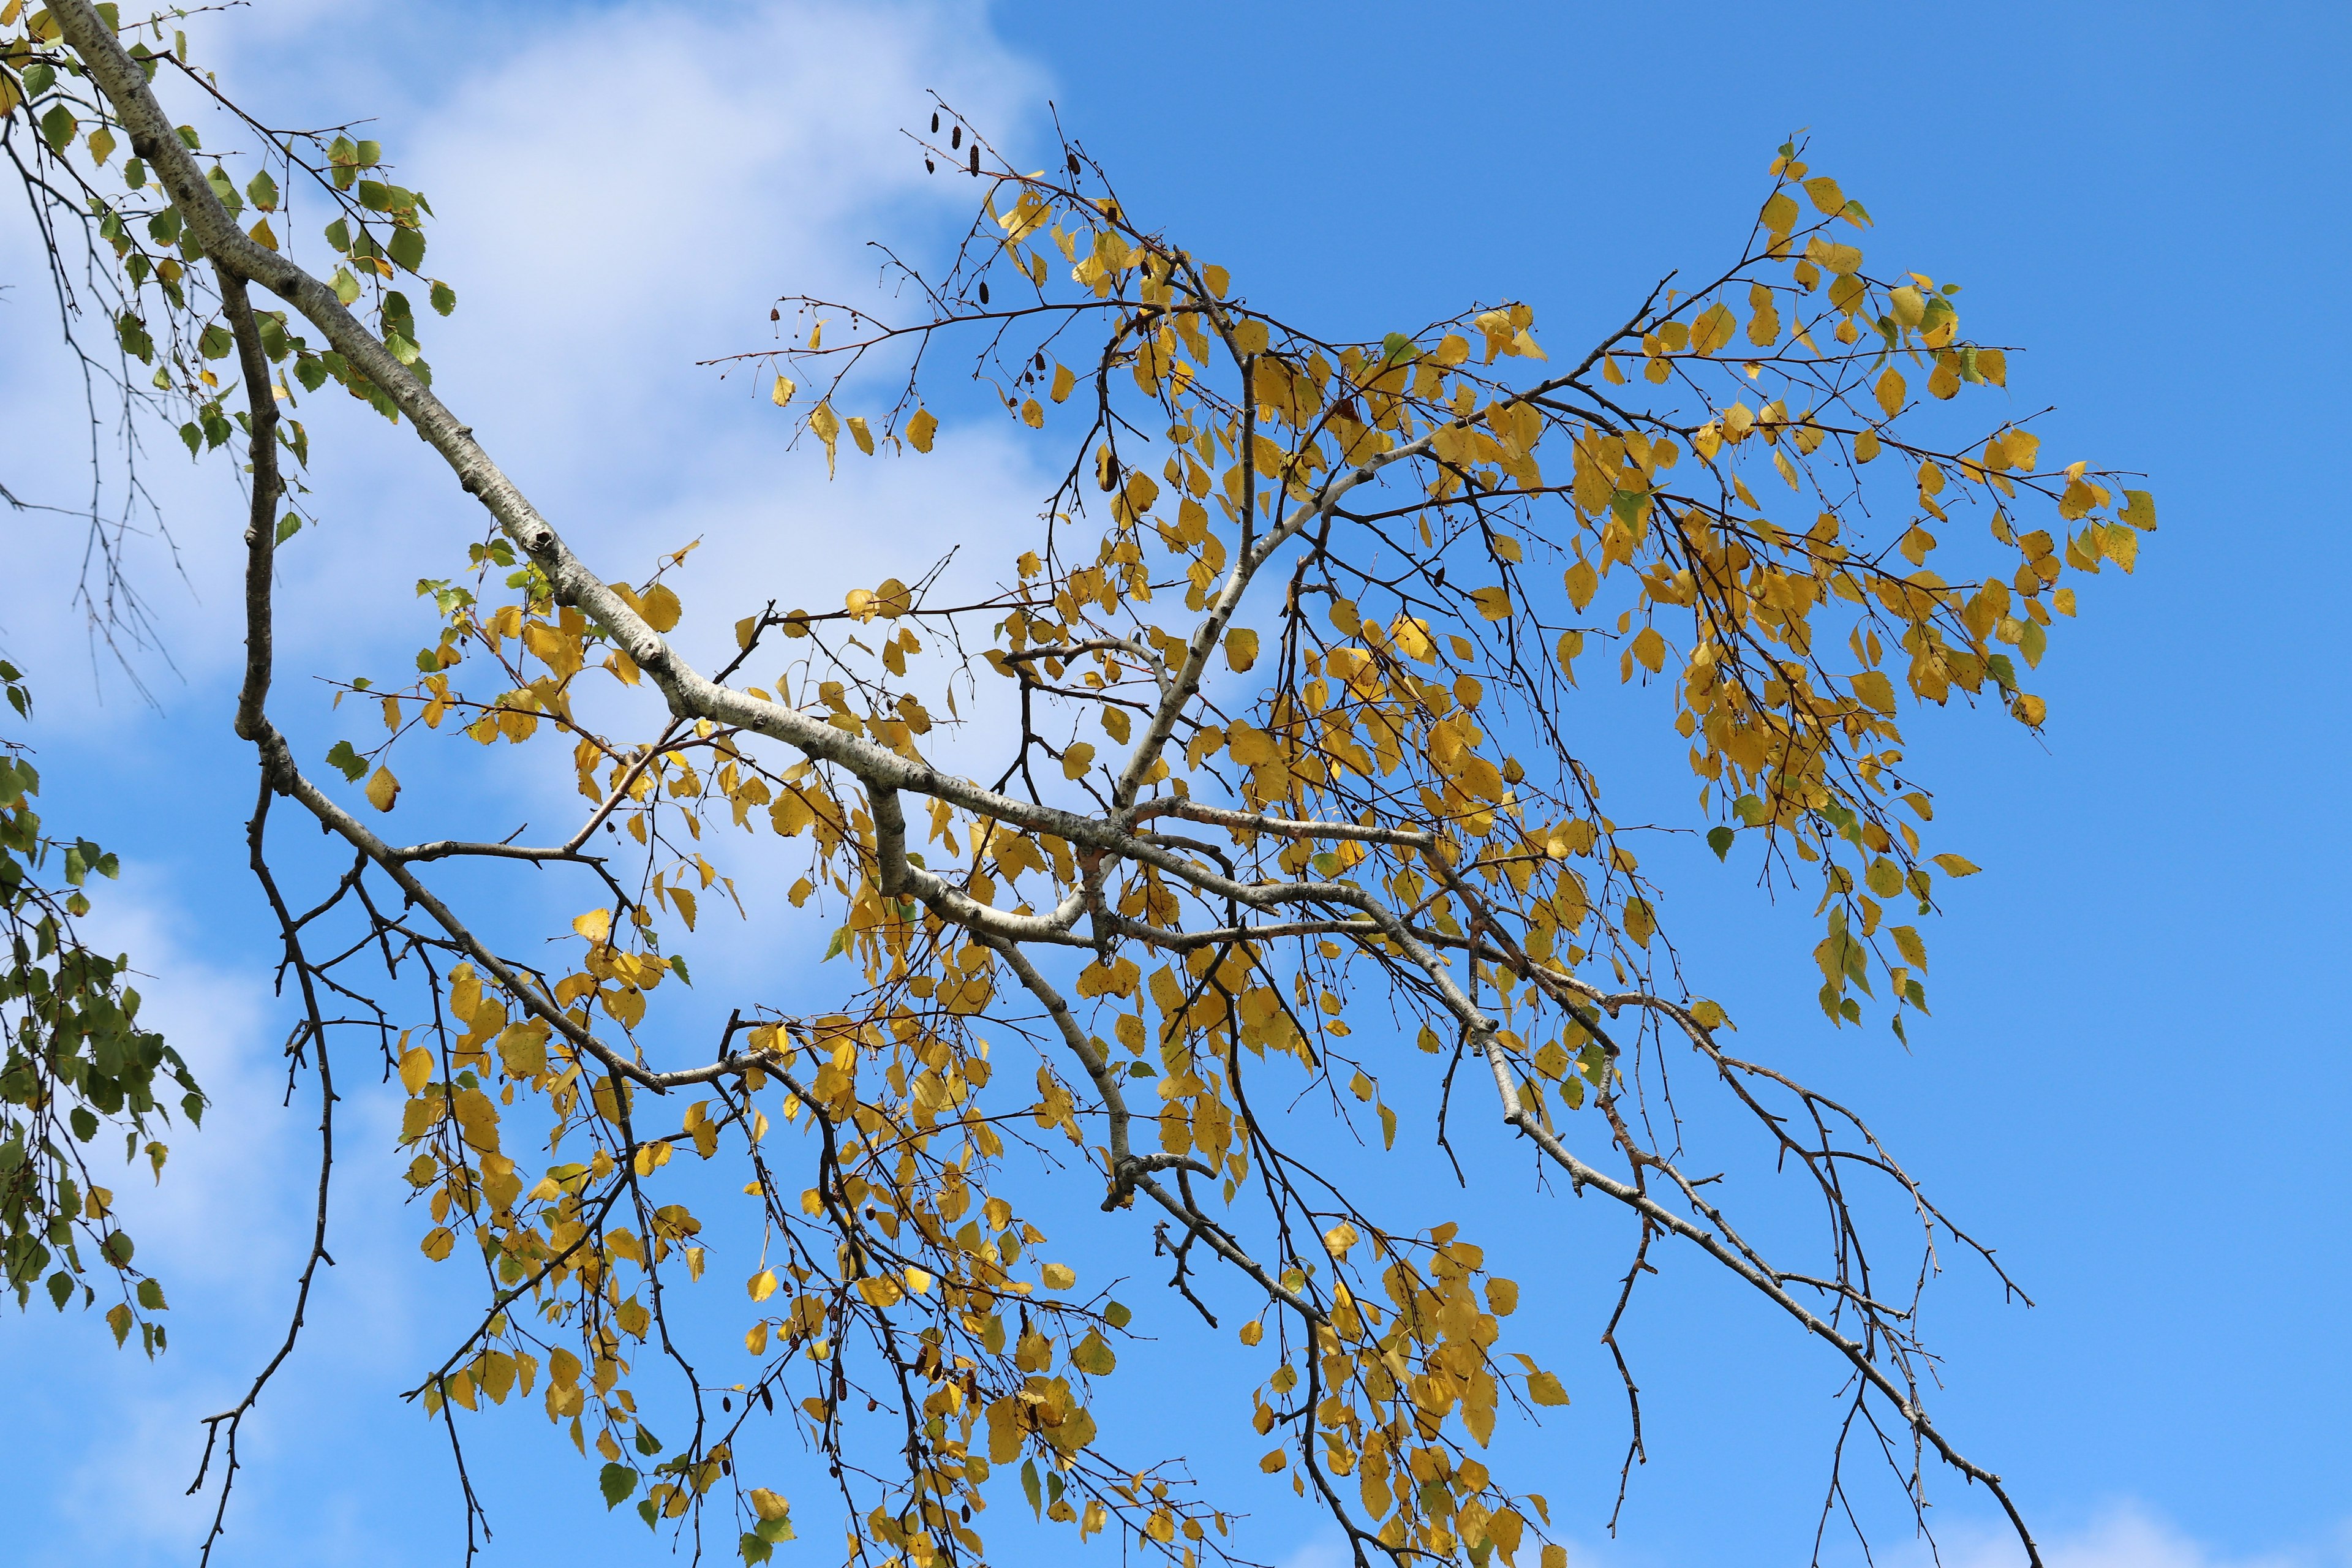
(1253, 794)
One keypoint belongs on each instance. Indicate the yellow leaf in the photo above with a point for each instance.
(1865, 447)
(1241, 648)
(1650, 649)
(523, 1049)
(1251, 747)
(1826, 194)
(1874, 688)
(781, 392)
(1065, 378)
(382, 789)
(596, 925)
(2119, 544)
(1078, 759)
(1545, 1389)
(1059, 1276)
(1958, 866)
(826, 426)
(1411, 634)
(1501, 1297)
(1641, 925)
(762, 1285)
(1891, 392)
(1582, 583)
(768, 1505)
(861, 434)
(921, 429)
(415, 1068)
(1338, 1238)
(1493, 604)
(1830, 256)
(1713, 329)
(2030, 711)
(1274, 1461)
(438, 1242)
(660, 608)
(1094, 1355)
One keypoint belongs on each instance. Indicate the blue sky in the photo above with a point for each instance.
(2135, 1082)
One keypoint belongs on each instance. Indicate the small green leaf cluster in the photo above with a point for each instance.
(76, 1064)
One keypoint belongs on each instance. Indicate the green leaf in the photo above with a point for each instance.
(288, 526)
(408, 249)
(349, 763)
(1029, 1487)
(133, 334)
(217, 178)
(1719, 839)
(445, 299)
(616, 1482)
(57, 127)
(262, 192)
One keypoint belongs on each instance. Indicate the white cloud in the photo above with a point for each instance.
(1326, 1551)
(2131, 1534)
(621, 192)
